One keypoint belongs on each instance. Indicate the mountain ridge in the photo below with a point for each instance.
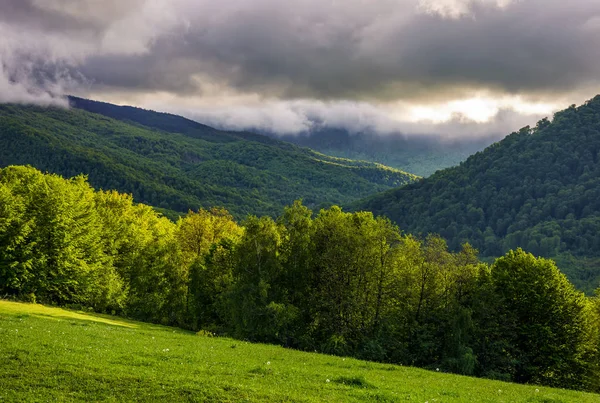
(539, 188)
(188, 167)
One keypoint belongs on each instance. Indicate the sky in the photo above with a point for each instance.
(453, 68)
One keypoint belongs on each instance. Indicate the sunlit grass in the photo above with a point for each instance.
(51, 354)
(42, 311)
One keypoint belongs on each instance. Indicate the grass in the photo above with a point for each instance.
(52, 354)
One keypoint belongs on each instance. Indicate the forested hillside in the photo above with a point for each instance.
(176, 164)
(340, 283)
(421, 155)
(539, 189)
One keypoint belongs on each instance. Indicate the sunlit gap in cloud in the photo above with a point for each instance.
(458, 8)
(478, 109)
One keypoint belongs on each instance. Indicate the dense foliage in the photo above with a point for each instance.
(340, 283)
(539, 189)
(188, 167)
(419, 154)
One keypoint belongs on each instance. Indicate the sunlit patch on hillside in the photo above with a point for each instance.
(45, 312)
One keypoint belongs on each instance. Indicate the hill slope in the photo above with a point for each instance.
(176, 164)
(420, 155)
(539, 188)
(60, 355)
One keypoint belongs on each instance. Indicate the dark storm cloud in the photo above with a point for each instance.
(379, 50)
(362, 53)
(43, 43)
(26, 13)
(534, 45)
(144, 73)
(66, 15)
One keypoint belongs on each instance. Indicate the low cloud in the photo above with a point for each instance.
(299, 117)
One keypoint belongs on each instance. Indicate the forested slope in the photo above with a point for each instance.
(176, 164)
(539, 188)
(420, 155)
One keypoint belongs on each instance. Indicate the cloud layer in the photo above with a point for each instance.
(286, 65)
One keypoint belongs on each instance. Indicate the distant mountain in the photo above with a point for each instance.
(539, 189)
(177, 164)
(165, 122)
(421, 155)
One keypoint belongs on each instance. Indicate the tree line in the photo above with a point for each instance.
(336, 282)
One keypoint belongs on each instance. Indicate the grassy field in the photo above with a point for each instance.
(51, 354)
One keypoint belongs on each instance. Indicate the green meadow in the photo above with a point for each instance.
(52, 354)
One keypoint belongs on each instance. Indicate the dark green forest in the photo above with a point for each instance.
(539, 189)
(175, 164)
(341, 283)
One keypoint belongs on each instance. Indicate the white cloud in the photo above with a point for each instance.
(300, 116)
(458, 8)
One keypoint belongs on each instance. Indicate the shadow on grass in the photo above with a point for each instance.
(355, 381)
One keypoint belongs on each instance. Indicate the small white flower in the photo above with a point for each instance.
(268, 362)
(437, 369)
(537, 390)
(327, 380)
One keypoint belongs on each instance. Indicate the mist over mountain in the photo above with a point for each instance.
(418, 154)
